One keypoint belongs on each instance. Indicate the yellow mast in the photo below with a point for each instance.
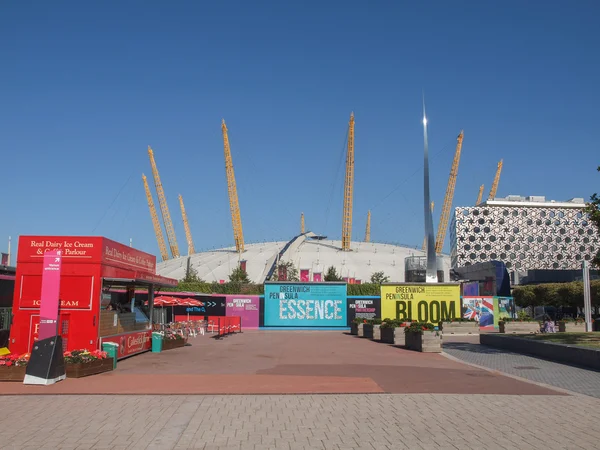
(479, 196)
(425, 238)
(302, 224)
(348, 189)
(155, 222)
(496, 181)
(234, 206)
(445, 217)
(164, 209)
(186, 227)
(368, 230)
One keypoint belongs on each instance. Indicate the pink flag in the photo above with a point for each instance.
(317, 277)
(49, 301)
(304, 275)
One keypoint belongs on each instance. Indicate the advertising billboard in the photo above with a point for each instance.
(244, 306)
(421, 302)
(363, 308)
(305, 305)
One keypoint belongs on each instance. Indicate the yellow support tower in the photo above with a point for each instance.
(157, 229)
(496, 181)
(234, 205)
(480, 195)
(425, 238)
(302, 224)
(348, 189)
(164, 209)
(445, 217)
(186, 227)
(368, 230)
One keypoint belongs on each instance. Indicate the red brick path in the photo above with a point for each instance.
(287, 362)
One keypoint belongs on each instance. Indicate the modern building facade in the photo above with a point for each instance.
(525, 233)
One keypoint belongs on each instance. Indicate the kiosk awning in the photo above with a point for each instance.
(143, 280)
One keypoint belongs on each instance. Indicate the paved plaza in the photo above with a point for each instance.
(409, 400)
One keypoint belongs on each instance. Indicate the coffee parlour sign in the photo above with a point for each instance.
(69, 247)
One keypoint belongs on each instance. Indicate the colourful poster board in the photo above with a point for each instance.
(504, 307)
(305, 305)
(421, 302)
(50, 292)
(244, 306)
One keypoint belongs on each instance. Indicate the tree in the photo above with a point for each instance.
(593, 211)
(291, 271)
(191, 276)
(379, 277)
(239, 275)
(332, 275)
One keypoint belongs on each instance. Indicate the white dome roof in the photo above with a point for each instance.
(305, 252)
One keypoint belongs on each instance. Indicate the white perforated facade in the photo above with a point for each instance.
(525, 233)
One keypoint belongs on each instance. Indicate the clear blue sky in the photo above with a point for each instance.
(86, 86)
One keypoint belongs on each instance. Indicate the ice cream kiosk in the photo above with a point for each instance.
(98, 281)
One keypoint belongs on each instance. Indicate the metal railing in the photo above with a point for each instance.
(5, 318)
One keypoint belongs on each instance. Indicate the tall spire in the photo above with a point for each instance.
(431, 272)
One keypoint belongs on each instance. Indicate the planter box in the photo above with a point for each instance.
(394, 336)
(376, 332)
(368, 331)
(169, 344)
(428, 342)
(361, 332)
(571, 327)
(459, 328)
(354, 329)
(12, 373)
(91, 368)
(519, 327)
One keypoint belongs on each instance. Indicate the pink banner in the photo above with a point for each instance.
(4, 259)
(304, 275)
(316, 277)
(244, 306)
(50, 290)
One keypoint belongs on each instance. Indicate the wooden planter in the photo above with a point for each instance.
(394, 336)
(459, 328)
(169, 344)
(428, 342)
(361, 332)
(571, 327)
(354, 328)
(368, 331)
(376, 332)
(12, 373)
(519, 327)
(91, 368)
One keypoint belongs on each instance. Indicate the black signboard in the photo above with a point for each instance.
(211, 306)
(364, 308)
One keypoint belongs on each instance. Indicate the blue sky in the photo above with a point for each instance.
(87, 86)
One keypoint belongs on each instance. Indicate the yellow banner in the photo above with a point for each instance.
(431, 303)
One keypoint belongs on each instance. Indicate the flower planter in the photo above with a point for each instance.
(428, 342)
(394, 336)
(169, 344)
(12, 373)
(459, 328)
(79, 370)
(519, 327)
(368, 331)
(571, 327)
(376, 332)
(354, 328)
(361, 332)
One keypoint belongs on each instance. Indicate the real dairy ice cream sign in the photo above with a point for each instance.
(305, 305)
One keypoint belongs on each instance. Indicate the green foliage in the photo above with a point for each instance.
(239, 275)
(292, 272)
(332, 275)
(216, 288)
(191, 276)
(363, 289)
(555, 294)
(593, 211)
(419, 327)
(379, 277)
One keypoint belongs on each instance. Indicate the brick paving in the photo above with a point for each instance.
(539, 370)
(287, 362)
(379, 421)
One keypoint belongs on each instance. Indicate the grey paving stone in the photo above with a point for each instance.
(563, 376)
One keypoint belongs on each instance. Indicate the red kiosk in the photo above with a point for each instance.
(97, 294)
